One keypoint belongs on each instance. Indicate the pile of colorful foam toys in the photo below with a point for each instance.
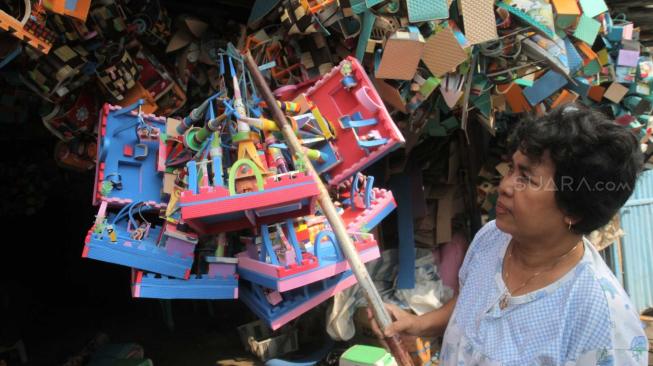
(178, 197)
(503, 58)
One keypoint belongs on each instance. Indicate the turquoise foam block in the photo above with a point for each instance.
(366, 32)
(587, 29)
(592, 8)
(358, 6)
(371, 3)
(425, 10)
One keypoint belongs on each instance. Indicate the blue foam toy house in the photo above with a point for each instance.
(122, 239)
(217, 281)
(277, 309)
(129, 168)
(300, 268)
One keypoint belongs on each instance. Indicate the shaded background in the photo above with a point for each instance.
(54, 300)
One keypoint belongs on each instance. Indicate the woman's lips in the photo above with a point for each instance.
(501, 209)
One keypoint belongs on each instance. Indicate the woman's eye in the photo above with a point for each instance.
(530, 180)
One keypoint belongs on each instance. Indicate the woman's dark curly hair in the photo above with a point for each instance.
(596, 161)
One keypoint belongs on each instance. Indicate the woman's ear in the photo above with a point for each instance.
(571, 220)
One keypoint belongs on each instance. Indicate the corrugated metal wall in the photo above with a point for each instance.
(637, 244)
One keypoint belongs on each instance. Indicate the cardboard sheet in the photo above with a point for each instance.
(442, 52)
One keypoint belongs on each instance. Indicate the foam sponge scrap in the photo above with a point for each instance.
(592, 8)
(615, 92)
(401, 56)
(443, 53)
(425, 10)
(544, 87)
(587, 29)
(479, 20)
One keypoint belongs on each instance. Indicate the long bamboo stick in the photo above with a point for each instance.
(364, 280)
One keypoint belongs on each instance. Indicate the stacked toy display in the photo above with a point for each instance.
(177, 197)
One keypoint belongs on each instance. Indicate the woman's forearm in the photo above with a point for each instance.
(434, 323)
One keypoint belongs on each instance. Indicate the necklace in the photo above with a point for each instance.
(503, 303)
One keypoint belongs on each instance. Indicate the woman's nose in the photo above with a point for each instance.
(506, 186)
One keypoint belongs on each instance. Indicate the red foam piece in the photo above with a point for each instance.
(128, 150)
(309, 261)
(204, 211)
(335, 102)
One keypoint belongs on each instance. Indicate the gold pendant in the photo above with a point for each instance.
(503, 303)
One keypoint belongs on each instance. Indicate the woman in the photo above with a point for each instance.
(533, 290)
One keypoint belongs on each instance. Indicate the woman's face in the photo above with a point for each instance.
(526, 206)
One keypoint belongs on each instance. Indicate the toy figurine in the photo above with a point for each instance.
(112, 234)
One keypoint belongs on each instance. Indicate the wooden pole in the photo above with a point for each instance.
(346, 244)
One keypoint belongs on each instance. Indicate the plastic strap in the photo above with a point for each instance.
(332, 238)
(354, 189)
(192, 176)
(131, 213)
(350, 122)
(366, 144)
(234, 170)
(369, 184)
(122, 213)
(293, 241)
(266, 248)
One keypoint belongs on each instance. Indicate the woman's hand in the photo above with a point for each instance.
(404, 323)
(431, 324)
